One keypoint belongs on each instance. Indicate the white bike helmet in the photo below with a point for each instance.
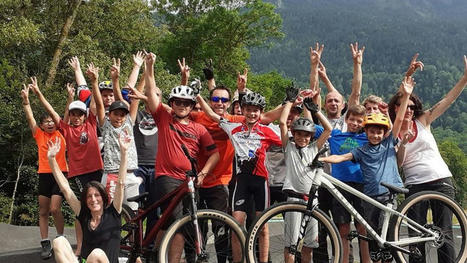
(182, 92)
(254, 99)
(303, 124)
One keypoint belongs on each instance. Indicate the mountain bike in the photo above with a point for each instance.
(402, 238)
(200, 244)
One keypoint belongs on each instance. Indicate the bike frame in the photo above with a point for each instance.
(173, 198)
(330, 183)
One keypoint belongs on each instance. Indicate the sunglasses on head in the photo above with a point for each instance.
(217, 99)
(182, 103)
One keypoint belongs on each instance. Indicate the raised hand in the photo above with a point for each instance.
(408, 135)
(208, 70)
(74, 63)
(407, 86)
(357, 54)
(310, 105)
(322, 70)
(315, 54)
(70, 91)
(115, 69)
(291, 93)
(138, 58)
(184, 70)
(33, 85)
(242, 79)
(414, 65)
(136, 94)
(150, 59)
(25, 94)
(53, 147)
(124, 140)
(92, 72)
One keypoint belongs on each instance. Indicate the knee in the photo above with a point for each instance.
(97, 256)
(59, 243)
(44, 211)
(55, 211)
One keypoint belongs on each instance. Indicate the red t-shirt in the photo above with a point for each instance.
(42, 138)
(170, 159)
(82, 146)
(222, 173)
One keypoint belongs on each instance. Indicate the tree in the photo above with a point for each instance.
(457, 163)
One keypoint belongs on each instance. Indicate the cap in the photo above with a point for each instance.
(118, 105)
(77, 105)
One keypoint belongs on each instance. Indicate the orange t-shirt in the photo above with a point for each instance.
(42, 138)
(222, 173)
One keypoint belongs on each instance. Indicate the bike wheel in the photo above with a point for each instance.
(283, 233)
(450, 246)
(216, 227)
(126, 234)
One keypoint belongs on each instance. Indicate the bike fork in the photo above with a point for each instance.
(194, 219)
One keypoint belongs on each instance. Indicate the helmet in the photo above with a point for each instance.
(182, 92)
(254, 99)
(303, 124)
(376, 119)
(105, 85)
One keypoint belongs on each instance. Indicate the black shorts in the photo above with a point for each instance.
(48, 186)
(164, 185)
(248, 185)
(276, 194)
(216, 197)
(80, 181)
(339, 213)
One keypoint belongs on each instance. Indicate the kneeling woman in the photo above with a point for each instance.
(100, 221)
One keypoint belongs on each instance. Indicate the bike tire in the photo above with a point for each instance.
(435, 202)
(277, 235)
(126, 214)
(205, 217)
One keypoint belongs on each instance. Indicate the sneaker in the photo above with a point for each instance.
(46, 251)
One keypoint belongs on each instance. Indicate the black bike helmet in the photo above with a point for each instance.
(304, 124)
(254, 99)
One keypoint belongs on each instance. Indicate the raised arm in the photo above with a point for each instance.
(75, 65)
(93, 74)
(71, 95)
(317, 114)
(207, 109)
(35, 88)
(115, 76)
(439, 108)
(283, 123)
(414, 65)
(124, 141)
(135, 99)
(315, 57)
(337, 158)
(408, 135)
(242, 80)
(138, 60)
(209, 75)
(406, 88)
(153, 100)
(53, 149)
(184, 72)
(357, 56)
(27, 109)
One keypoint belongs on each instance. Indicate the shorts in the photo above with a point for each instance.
(146, 172)
(276, 194)
(292, 222)
(131, 188)
(163, 185)
(247, 186)
(339, 214)
(81, 180)
(48, 186)
(216, 197)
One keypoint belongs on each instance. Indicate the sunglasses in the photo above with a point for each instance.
(182, 103)
(217, 99)
(411, 107)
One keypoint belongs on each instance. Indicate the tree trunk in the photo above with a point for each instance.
(61, 42)
(18, 173)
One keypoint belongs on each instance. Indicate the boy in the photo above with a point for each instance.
(299, 151)
(378, 161)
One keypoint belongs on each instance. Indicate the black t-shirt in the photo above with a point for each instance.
(145, 132)
(106, 236)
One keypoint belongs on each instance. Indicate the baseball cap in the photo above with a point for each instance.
(118, 105)
(77, 105)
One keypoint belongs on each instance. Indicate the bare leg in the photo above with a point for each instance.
(176, 248)
(79, 237)
(63, 251)
(97, 256)
(307, 254)
(344, 230)
(56, 211)
(364, 250)
(44, 204)
(240, 216)
(288, 258)
(263, 242)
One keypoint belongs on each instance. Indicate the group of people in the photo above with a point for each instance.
(112, 150)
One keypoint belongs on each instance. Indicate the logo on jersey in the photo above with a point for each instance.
(147, 126)
(348, 145)
(83, 138)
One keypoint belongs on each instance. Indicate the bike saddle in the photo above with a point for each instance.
(395, 189)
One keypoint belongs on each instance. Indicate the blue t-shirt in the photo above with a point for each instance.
(378, 164)
(342, 143)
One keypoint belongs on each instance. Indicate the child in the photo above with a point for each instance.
(299, 151)
(378, 161)
(50, 197)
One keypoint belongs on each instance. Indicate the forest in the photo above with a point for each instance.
(272, 39)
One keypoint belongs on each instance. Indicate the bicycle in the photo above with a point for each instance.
(401, 236)
(198, 247)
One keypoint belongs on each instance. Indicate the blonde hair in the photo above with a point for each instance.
(372, 99)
